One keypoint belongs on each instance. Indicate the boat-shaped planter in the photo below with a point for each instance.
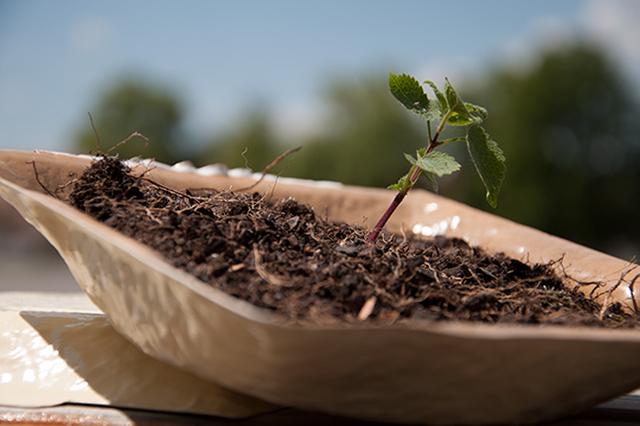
(410, 371)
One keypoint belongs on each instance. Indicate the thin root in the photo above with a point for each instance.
(128, 138)
(95, 132)
(606, 303)
(270, 166)
(35, 172)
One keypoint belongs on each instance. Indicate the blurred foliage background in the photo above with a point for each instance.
(568, 123)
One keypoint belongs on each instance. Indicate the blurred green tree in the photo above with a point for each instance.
(134, 105)
(253, 143)
(366, 133)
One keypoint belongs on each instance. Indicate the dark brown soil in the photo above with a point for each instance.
(283, 257)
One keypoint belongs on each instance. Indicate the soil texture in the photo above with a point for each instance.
(281, 256)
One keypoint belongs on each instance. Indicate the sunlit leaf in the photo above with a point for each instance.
(459, 120)
(438, 163)
(442, 100)
(409, 92)
(402, 183)
(477, 112)
(459, 115)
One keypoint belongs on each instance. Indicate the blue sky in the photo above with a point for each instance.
(222, 56)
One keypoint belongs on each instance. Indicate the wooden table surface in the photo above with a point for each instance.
(624, 411)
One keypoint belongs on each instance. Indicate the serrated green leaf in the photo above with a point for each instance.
(438, 163)
(409, 92)
(489, 161)
(442, 100)
(453, 100)
(477, 112)
(459, 115)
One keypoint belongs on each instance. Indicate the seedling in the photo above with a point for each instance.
(447, 109)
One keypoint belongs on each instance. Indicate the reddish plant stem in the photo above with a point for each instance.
(373, 234)
(414, 175)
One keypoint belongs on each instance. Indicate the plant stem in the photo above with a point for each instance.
(414, 175)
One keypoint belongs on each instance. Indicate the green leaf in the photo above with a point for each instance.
(452, 96)
(402, 183)
(442, 100)
(408, 91)
(489, 161)
(477, 112)
(395, 186)
(459, 120)
(438, 163)
(459, 114)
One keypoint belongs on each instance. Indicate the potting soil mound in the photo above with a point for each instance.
(281, 256)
